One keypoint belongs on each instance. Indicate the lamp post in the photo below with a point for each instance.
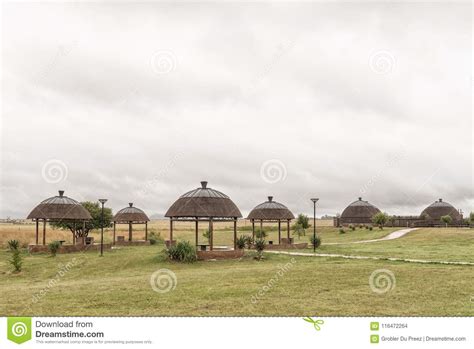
(314, 200)
(102, 201)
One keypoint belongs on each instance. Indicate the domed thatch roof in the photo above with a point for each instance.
(270, 210)
(359, 211)
(438, 209)
(60, 208)
(204, 202)
(130, 214)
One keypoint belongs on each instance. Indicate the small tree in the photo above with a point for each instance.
(380, 219)
(315, 241)
(16, 260)
(95, 210)
(54, 247)
(392, 220)
(207, 235)
(303, 221)
(260, 234)
(259, 246)
(446, 220)
(298, 230)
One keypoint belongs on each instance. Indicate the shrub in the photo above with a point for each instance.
(241, 242)
(366, 227)
(260, 234)
(370, 228)
(303, 220)
(183, 251)
(298, 230)
(248, 241)
(315, 241)
(207, 235)
(53, 247)
(259, 246)
(360, 226)
(16, 260)
(154, 238)
(380, 219)
(351, 227)
(342, 231)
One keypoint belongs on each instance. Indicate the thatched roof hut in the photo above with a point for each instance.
(440, 208)
(58, 209)
(203, 204)
(131, 215)
(359, 212)
(271, 211)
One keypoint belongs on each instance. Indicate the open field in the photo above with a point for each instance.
(119, 283)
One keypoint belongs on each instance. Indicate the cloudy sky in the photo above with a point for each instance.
(140, 102)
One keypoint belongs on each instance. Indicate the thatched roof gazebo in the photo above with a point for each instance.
(203, 205)
(58, 209)
(440, 208)
(271, 211)
(359, 212)
(131, 215)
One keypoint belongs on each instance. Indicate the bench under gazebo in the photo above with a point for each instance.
(59, 209)
(272, 211)
(131, 215)
(203, 205)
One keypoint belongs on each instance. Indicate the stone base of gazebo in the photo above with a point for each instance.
(68, 248)
(222, 254)
(132, 243)
(284, 246)
(169, 243)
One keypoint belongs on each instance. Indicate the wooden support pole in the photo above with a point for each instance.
(253, 229)
(44, 231)
(129, 231)
(235, 233)
(197, 231)
(74, 233)
(279, 232)
(114, 234)
(171, 230)
(83, 232)
(288, 229)
(146, 231)
(261, 226)
(211, 234)
(37, 231)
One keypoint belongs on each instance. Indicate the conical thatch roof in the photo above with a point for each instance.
(270, 210)
(204, 202)
(440, 208)
(60, 208)
(131, 214)
(359, 211)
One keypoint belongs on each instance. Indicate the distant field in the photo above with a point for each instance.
(25, 233)
(119, 283)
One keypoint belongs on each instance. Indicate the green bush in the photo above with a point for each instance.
(360, 226)
(53, 247)
(260, 234)
(315, 241)
(342, 231)
(248, 241)
(154, 238)
(207, 235)
(259, 246)
(241, 242)
(370, 228)
(16, 260)
(183, 251)
(351, 227)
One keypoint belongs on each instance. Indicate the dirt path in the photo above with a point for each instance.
(308, 254)
(392, 236)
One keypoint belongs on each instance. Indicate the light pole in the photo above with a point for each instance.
(314, 200)
(102, 201)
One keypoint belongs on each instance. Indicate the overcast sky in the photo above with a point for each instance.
(140, 102)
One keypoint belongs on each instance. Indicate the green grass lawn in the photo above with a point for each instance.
(119, 283)
(435, 244)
